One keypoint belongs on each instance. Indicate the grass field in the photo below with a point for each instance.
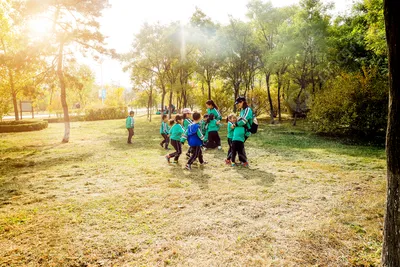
(97, 201)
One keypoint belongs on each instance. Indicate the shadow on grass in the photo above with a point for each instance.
(265, 178)
(197, 174)
(15, 173)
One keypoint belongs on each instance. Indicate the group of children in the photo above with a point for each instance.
(202, 133)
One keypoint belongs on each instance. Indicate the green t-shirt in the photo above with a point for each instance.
(176, 131)
(130, 122)
(239, 134)
(246, 119)
(217, 115)
(230, 130)
(164, 129)
(212, 126)
(186, 123)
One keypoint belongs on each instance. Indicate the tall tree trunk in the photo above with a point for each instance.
(51, 99)
(236, 88)
(15, 104)
(297, 110)
(271, 107)
(209, 89)
(12, 85)
(64, 104)
(170, 102)
(391, 240)
(279, 78)
(164, 92)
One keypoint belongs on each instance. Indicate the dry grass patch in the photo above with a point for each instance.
(97, 201)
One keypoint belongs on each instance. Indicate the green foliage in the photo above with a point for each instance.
(106, 113)
(22, 126)
(258, 100)
(352, 104)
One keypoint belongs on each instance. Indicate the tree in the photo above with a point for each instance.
(205, 39)
(237, 37)
(74, 23)
(20, 63)
(391, 242)
(149, 53)
(306, 40)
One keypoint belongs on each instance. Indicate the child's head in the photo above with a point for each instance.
(178, 118)
(196, 116)
(205, 117)
(210, 104)
(232, 118)
(171, 122)
(164, 117)
(186, 113)
(131, 113)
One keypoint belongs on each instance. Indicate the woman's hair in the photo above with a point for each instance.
(171, 122)
(245, 105)
(178, 117)
(210, 118)
(211, 102)
(163, 116)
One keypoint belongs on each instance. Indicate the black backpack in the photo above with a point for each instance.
(254, 126)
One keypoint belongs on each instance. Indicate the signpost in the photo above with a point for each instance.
(26, 106)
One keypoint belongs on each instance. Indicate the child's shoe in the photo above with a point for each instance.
(168, 158)
(175, 162)
(204, 163)
(245, 164)
(233, 164)
(228, 162)
(188, 167)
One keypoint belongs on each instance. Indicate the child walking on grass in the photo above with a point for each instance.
(130, 124)
(187, 114)
(213, 139)
(238, 139)
(231, 120)
(164, 131)
(195, 139)
(175, 134)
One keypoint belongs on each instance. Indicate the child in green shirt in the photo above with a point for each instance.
(175, 135)
(231, 126)
(130, 124)
(164, 131)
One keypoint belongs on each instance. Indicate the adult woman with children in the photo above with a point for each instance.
(241, 131)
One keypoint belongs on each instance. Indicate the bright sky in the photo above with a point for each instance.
(125, 18)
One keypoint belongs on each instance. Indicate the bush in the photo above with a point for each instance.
(106, 114)
(71, 119)
(22, 126)
(353, 104)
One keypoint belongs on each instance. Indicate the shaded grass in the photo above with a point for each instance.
(306, 200)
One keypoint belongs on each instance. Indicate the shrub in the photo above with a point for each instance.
(352, 104)
(22, 126)
(71, 119)
(106, 114)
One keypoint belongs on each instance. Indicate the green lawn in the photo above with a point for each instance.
(98, 201)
